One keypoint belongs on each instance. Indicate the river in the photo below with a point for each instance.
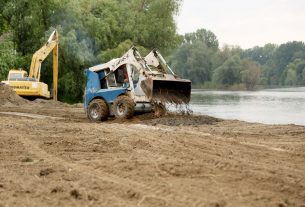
(272, 106)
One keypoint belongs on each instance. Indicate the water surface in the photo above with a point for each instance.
(273, 106)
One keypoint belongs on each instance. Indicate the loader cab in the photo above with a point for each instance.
(127, 76)
(116, 79)
(109, 79)
(121, 77)
(15, 75)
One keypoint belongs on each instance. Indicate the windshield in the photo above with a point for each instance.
(14, 76)
(111, 80)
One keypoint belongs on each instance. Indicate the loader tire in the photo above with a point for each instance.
(123, 107)
(98, 110)
(159, 109)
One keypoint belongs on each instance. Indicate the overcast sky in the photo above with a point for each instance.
(246, 23)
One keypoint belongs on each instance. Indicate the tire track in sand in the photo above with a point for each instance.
(148, 191)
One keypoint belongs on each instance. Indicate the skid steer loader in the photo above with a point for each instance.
(126, 85)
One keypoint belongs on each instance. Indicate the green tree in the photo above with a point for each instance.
(195, 58)
(250, 74)
(194, 61)
(229, 73)
(9, 58)
(291, 77)
(204, 36)
(224, 54)
(145, 23)
(260, 55)
(154, 24)
(284, 55)
(28, 21)
(3, 20)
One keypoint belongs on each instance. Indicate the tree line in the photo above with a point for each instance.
(200, 59)
(94, 31)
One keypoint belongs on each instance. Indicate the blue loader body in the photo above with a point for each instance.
(93, 89)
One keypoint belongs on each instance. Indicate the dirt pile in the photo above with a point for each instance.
(8, 96)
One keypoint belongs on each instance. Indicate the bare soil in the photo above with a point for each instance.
(51, 155)
(8, 97)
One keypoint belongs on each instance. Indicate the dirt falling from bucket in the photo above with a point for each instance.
(183, 109)
(174, 104)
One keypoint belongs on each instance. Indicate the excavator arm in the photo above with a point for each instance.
(40, 55)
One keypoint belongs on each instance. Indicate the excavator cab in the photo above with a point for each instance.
(15, 75)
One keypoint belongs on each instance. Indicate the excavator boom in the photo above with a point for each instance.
(41, 54)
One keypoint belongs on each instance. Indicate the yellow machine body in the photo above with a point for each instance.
(25, 86)
(30, 85)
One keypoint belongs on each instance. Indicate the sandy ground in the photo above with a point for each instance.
(51, 155)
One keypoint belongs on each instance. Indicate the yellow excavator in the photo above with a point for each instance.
(29, 86)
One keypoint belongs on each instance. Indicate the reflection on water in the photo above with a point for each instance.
(276, 106)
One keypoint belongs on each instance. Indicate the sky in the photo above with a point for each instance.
(245, 23)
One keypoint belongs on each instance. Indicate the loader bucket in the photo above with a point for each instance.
(167, 91)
